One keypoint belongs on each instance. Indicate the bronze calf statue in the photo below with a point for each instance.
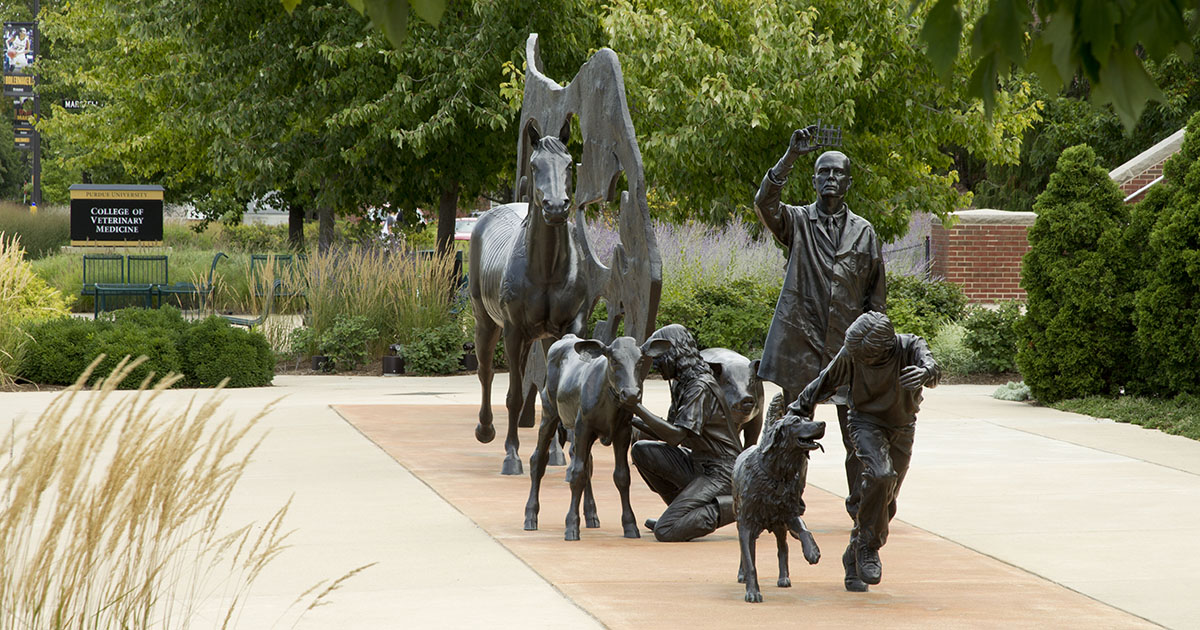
(591, 389)
(768, 479)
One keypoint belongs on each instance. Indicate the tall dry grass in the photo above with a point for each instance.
(112, 508)
(24, 298)
(399, 293)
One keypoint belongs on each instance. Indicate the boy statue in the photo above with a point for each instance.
(885, 373)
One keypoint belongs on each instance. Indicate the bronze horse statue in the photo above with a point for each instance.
(526, 280)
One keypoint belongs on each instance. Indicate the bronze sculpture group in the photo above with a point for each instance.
(534, 278)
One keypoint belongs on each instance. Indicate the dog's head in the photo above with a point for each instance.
(792, 432)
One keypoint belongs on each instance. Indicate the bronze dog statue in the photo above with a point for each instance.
(768, 480)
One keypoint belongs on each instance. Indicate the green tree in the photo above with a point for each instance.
(1074, 340)
(1104, 42)
(1167, 310)
(717, 88)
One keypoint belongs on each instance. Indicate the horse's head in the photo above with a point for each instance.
(550, 169)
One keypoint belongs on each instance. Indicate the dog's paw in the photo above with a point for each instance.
(784, 582)
(812, 553)
(754, 596)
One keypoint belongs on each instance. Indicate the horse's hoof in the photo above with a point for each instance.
(572, 534)
(531, 524)
(592, 521)
(556, 458)
(631, 531)
(484, 433)
(512, 466)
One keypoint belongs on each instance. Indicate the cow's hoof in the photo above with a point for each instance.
(631, 531)
(572, 534)
(556, 458)
(485, 434)
(531, 523)
(784, 582)
(753, 597)
(592, 521)
(512, 466)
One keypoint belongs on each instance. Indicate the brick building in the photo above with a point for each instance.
(982, 252)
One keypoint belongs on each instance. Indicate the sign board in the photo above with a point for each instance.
(24, 143)
(116, 215)
(20, 52)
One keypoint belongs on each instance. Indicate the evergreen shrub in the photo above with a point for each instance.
(919, 306)
(1074, 339)
(212, 349)
(1167, 307)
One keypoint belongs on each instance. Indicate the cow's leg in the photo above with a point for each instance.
(519, 351)
(785, 580)
(621, 479)
(537, 465)
(750, 573)
(590, 518)
(583, 448)
(808, 544)
(487, 334)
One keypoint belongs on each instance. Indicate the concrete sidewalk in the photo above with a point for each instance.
(1103, 509)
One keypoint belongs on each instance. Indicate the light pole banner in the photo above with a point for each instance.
(20, 51)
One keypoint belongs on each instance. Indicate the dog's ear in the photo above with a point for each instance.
(766, 444)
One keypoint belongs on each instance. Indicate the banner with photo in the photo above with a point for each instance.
(20, 52)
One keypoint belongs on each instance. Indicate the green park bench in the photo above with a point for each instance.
(139, 280)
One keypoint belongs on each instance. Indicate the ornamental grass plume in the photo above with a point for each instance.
(112, 506)
(24, 299)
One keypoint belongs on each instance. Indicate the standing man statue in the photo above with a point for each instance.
(834, 274)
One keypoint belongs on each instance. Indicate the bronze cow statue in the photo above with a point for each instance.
(591, 389)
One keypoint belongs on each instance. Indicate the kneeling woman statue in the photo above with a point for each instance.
(690, 459)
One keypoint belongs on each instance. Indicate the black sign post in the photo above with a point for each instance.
(116, 215)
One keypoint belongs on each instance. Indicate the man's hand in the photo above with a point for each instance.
(913, 377)
(803, 141)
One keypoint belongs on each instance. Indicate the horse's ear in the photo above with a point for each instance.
(532, 135)
(564, 134)
(590, 349)
(523, 189)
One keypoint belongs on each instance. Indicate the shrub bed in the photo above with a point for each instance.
(203, 352)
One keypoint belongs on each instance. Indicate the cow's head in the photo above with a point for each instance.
(628, 364)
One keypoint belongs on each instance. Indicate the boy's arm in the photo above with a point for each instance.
(836, 374)
(920, 369)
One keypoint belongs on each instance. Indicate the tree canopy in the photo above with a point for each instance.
(717, 88)
(1104, 42)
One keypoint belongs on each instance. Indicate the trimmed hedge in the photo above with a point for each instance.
(203, 352)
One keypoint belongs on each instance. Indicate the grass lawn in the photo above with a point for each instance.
(1177, 416)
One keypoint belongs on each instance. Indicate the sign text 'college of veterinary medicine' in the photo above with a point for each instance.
(116, 215)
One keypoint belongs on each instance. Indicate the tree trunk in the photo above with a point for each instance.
(325, 232)
(295, 226)
(447, 212)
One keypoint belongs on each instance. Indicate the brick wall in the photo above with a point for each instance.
(1141, 180)
(982, 253)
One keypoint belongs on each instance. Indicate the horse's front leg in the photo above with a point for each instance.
(621, 479)
(487, 333)
(519, 349)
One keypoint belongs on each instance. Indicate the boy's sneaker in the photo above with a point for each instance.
(870, 569)
(853, 584)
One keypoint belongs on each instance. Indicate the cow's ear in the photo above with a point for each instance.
(655, 348)
(717, 368)
(590, 349)
(754, 367)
